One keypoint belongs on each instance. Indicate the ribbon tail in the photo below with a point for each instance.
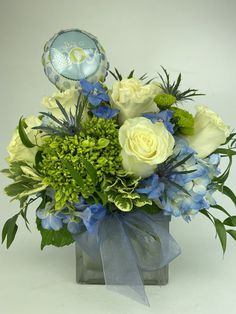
(152, 242)
(88, 243)
(120, 267)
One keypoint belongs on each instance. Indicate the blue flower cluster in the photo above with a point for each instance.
(96, 95)
(86, 215)
(183, 184)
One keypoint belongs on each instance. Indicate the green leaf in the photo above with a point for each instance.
(6, 172)
(5, 229)
(11, 235)
(150, 209)
(228, 192)
(111, 196)
(221, 179)
(91, 171)
(221, 209)
(205, 213)
(221, 232)
(124, 204)
(58, 238)
(132, 196)
(229, 138)
(38, 159)
(225, 151)
(141, 201)
(9, 230)
(14, 189)
(74, 173)
(232, 233)
(103, 197)
(23, 136)
(230, 221)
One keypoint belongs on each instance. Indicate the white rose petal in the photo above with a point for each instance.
(68, 99)
(144, 145)
(133, 98)
(210, 132)
(16, 149)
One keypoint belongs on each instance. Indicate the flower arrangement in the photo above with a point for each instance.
(100, 156)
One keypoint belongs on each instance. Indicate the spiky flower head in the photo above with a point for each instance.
(172, 88)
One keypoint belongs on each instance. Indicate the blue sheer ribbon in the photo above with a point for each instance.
(129, 244)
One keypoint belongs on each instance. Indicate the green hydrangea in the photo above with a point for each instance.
(164, 101)
(183, 120)
(98, 143)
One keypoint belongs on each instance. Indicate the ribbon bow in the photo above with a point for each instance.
(129, 244)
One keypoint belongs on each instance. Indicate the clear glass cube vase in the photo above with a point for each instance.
(90, 271)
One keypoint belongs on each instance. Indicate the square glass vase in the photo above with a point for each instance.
(90, 271)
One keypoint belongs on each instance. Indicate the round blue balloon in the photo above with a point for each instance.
(72, 55)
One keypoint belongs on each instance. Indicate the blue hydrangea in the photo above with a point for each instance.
(91, 215)
(50, 221)
(85, 215)
(94, 92)
(182, 189)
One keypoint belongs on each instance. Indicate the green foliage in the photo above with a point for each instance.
(220, 226)
(10, 227)
(58, 238)
(219, 183)
(121, 192)
(228, 192)
(23, 136)
(232, 233)
(9, 230)
(26, 180)
(173, 88)
(221, 232)
(74, 165)
(183, 120)
(151, 209)
(230, 221)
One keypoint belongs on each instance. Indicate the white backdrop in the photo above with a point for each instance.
(194, 37)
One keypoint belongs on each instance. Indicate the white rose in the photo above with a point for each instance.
(144, 145)
(17, 150)
(68, 99)
(210, 132)
(133, 98)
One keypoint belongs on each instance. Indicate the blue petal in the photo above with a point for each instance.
(74, 227)
(52, 222)
(164, 116)
(105, 112)
(91, 215)
(94, 100)
(86, 87)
